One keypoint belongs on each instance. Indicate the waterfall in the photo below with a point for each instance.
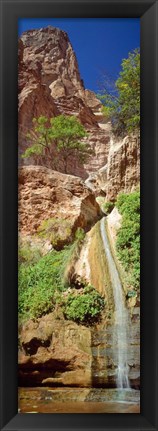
(121, 315)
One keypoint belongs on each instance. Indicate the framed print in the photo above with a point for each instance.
(79, 214)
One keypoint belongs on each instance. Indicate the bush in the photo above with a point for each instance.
(28, 254)
(84, 308)
(131, 294)
(80, 234)
(128, 238)
(40, 282)
(108, 207)
(57, 230)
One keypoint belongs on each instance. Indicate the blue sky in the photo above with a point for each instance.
(100, 44)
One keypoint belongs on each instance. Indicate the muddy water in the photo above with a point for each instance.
(78, 400)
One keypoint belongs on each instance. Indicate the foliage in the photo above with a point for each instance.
(28, 254)
(108, 207)
(131, 294)
(42, 279)
(80, 234)
(56, 140)
(39, 283)
(122, 105)
(128, 238)
(85, 307)
(56, 229)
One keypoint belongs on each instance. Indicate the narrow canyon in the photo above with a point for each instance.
(64, 215)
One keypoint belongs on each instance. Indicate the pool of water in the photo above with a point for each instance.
(78, 400)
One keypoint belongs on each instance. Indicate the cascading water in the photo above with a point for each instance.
(121, 315)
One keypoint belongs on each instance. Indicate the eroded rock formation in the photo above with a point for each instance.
(55, 351)
(45, 194)
(123, 167)
(50, 84)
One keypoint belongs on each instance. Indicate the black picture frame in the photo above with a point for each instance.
(148, 12)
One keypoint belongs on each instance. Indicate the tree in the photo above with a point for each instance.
(122, 106)
(57, 139)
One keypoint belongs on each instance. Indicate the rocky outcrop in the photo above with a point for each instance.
(48, 64)
(123, 167)
(121, 173)
(45, 194)
(50, 85)
(54, 353)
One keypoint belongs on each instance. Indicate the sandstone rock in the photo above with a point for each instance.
(54, 352)
(92, 101)
(123, 169)
(62, 353)
(121, 173)
(50, 84)
(47, 62)
(45, 194)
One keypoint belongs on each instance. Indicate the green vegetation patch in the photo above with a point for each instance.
(108, 207)
(40, 282)
(57, 230)
(56, 140)
(121, 99)
(84, 307)
(28, 254)
(128, 237)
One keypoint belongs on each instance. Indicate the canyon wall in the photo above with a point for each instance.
(52, 350)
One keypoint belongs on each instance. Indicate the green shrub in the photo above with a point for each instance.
(28, 254)
(80, 234)
(108, 207)
(128, 238)
(84, 307)
(57, 230)
(131, 294)
(39, 283)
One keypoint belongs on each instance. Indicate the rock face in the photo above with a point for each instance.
(45, 194)
(104, 354)
(123, 166)
(50, 84)
(55, 353)
(62, 353)
(121, 173)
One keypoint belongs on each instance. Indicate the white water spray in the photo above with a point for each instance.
(121, 315)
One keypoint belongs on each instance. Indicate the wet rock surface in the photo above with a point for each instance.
(54, 352)
(61, 353)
